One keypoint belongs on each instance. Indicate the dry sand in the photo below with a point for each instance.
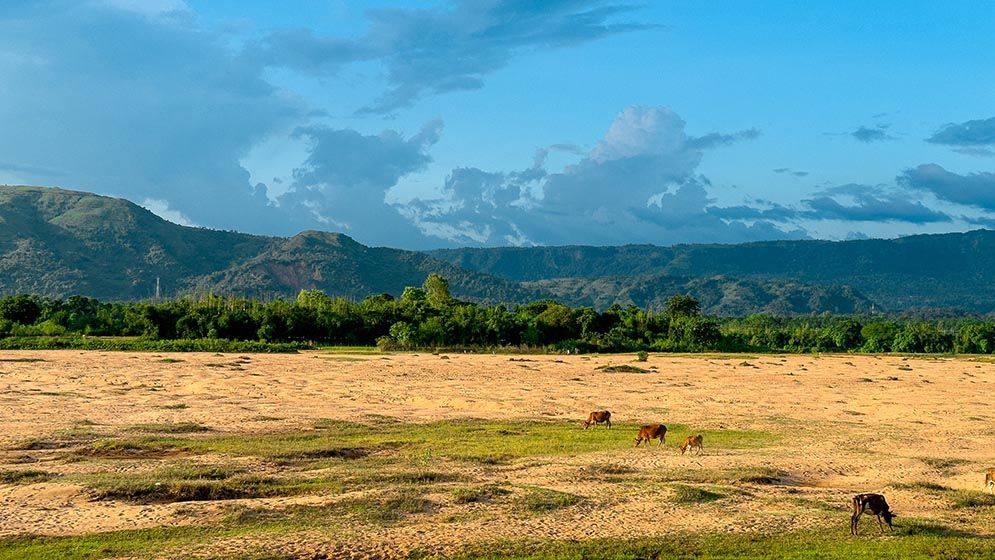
(848, 423)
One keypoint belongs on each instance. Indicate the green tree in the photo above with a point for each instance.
(879, 336)
(22, 309)
(437, 291)
(923, 337)
(682, 306)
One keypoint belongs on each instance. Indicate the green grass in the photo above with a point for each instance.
(108, 545)
(25, 476)
(362, 350)
(914, 540)
(944, 464)
(478, 441)
(135, 344)
(198, 483)
(731, 476)
(968, 499)
(474, 494)
(623, 368)
(386, 508)
(177, 406)
(921, 485)
(684, 494)
(170, 428)
(536, 499)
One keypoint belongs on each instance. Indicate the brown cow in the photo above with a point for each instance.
(990, 481)
(691, 443)
(651, 432)
(876, 504)
(599, 417)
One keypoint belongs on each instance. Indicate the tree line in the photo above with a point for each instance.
(430, 317)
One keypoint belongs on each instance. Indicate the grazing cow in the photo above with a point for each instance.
(691, 443)
(876, 504)
(990, 481)
(599, 417)
(651, 432)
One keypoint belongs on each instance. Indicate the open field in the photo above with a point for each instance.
(319, 454)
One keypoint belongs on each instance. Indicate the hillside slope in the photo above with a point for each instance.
(58, 243)
(924, 271)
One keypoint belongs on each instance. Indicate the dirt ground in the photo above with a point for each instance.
(846, 423)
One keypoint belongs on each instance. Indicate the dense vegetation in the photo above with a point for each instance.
(430, 317)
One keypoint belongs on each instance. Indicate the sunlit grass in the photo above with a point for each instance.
(469, 440)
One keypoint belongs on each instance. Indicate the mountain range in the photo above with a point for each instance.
(58, 243)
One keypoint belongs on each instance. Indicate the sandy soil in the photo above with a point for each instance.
(849, 423)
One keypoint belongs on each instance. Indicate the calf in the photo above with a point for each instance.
(599, 417)
(651, 432)
(691, 443)
(876, 504)
(990, 481)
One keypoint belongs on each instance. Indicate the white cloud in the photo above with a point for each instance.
(161, 208)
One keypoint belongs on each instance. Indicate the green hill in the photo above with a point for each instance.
(718, 295)
(59, 243)
(949, 271)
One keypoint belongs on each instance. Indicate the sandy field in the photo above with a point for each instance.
(843, 424)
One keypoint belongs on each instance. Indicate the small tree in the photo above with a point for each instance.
(437, 290)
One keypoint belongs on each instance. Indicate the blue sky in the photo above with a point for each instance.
(489, 122)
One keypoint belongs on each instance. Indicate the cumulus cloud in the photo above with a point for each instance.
(972, 138)
(849, 203)
(716, 139)
(863, 203)
(979, 132)
(638, 184)
(974, 189)
(345, 179)
(149, 107)
(427, 51)
(161, 208)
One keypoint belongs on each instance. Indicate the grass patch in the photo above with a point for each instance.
(913, 539)
(384, 509)
(536, 499)
(170, 428)
(740, 475)
(624, 368)
(177, 406)
(198, 483)
(944, 464)
(476, 441)
(93, 546)
(967, 499)
(684, 494)
(22, 360)
(170, 360)
(59, 440)
(474, 494)
(918, 541)
(921, 485)
(24, 476)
